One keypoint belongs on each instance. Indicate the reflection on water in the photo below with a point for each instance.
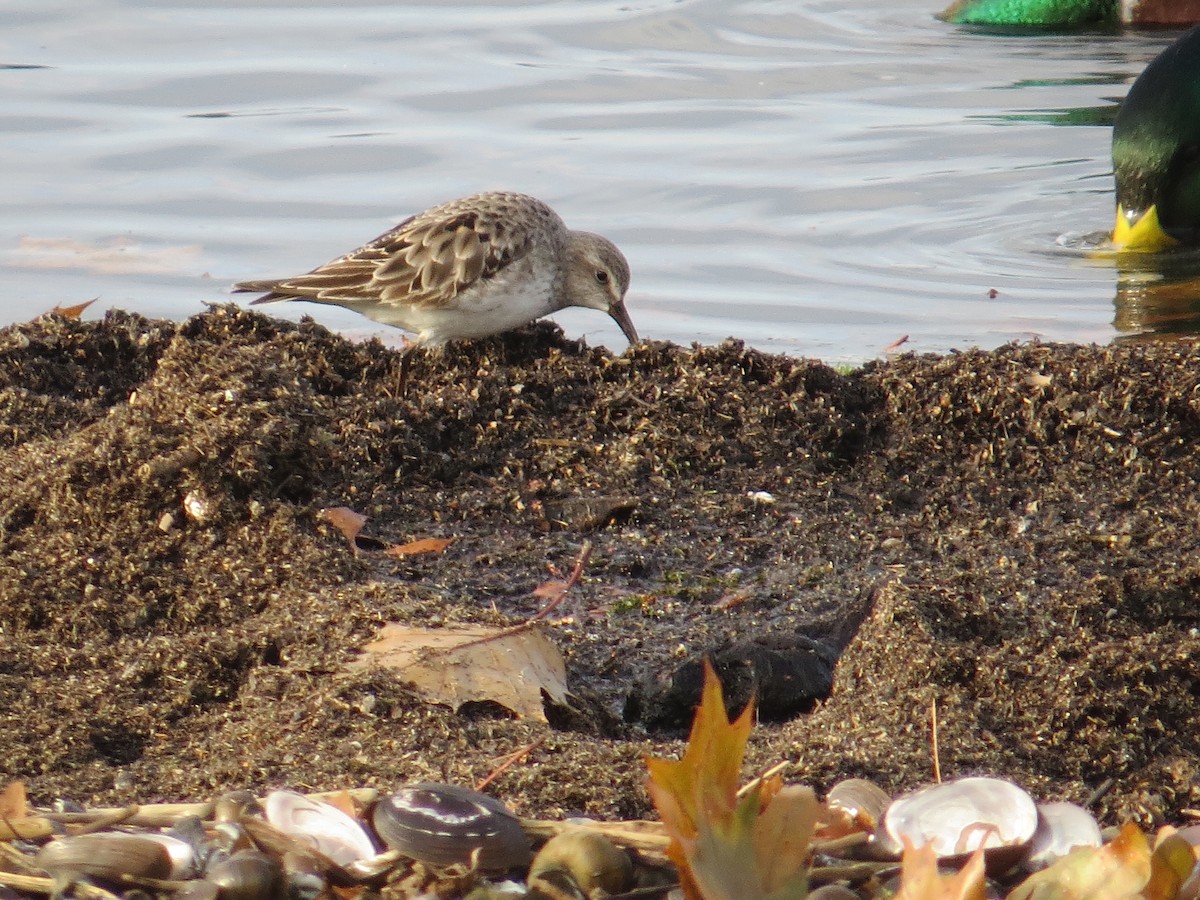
(1158, 294)
(1088, 116)
(812, 176)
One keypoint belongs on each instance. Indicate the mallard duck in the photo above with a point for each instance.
(1156, 152)
(1067, 13)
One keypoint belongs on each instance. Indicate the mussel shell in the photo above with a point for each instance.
(321, 825)
(107, 856)
(862, 800)
(590, 860)
(199, 889)
(247, 875)
(189, 832)
(1061, 828)
(182, 854)
(232, 805)
(832, 892)
(958, 817)
(305, 879)
(442, 824)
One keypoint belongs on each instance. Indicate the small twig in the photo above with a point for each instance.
(156, 815)
(933, 738)
(1098, 794)
(27, 828)
(852, 872)
(585, 553)
(38, 885)
(16, 858)
(162, 885)
(654, 890)
(644, 836)
(509, 761)
(163, 815)
(113, 817)
(774, 770)
(834, 846)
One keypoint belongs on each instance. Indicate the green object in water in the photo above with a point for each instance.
(1030, 13)
(1071, 13)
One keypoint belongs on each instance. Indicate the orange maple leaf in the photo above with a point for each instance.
(726, 848)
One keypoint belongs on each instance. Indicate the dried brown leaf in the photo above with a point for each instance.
(345, 520)
(472, 663)
(424, 545)
(551, 590)
(74, 311)
(13, 801)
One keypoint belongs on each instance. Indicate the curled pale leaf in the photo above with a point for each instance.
(921, 880)
(783, 833)
(1170, 865)
(1117, 871)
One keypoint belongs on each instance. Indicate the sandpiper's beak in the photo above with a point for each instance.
(621, 317)
(1140, 233)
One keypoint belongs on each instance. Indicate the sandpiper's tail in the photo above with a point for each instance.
(266, 288)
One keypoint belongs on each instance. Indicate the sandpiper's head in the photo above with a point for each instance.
(598, 277)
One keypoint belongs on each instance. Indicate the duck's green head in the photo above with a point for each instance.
(1156, 152)
(1030, 13)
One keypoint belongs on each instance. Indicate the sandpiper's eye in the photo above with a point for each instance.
(602, 277)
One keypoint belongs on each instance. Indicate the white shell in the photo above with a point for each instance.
(183, 854)
(959, 817)
(322, 826)
(1061, 828)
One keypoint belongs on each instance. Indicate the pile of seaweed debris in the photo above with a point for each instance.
(1012, 534)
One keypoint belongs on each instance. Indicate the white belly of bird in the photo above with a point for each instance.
(515, 296)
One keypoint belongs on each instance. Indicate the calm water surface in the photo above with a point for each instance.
(820, 178)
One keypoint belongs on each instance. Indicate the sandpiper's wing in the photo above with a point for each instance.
(426, 260)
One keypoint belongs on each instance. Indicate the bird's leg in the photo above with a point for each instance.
(406, 351)
(406, 356)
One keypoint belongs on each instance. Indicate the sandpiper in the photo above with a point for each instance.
(467, 269)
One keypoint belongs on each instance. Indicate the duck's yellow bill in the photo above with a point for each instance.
(1144, 235)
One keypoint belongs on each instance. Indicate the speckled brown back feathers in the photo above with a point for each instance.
(426, 260)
